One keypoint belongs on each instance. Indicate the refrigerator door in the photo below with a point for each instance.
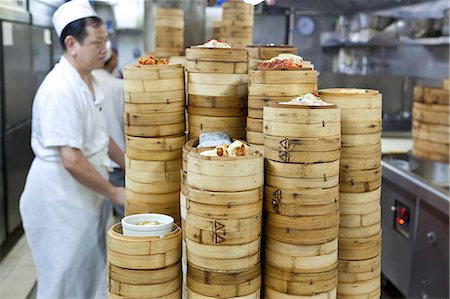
(2, 199)
(41, 39)
(18, 157)
(18, 73)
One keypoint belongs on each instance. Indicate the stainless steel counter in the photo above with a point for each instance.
(415, 222)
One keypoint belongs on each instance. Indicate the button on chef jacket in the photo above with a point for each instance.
(63, 220)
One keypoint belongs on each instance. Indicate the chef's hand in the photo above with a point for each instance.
(118, 195)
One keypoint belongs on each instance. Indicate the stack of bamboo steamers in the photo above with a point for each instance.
(237, 23)
(169, 32)
(266, 86)
(154, 127)
(431, 123)
(360, 191)
(217, 90)
(301, 200)
(223, 225)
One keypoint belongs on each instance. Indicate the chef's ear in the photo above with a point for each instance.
(72, 45)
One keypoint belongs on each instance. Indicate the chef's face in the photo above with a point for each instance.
(91, 53)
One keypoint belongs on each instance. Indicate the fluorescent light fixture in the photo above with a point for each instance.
(254, 2)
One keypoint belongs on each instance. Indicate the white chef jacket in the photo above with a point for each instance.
(63, 220)
(112, 88)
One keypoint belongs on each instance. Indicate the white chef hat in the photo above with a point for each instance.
(71, 11)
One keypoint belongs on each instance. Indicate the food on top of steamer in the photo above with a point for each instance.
(213, 43)
(150, 60)
(351, 90)
(282, 61)
(307, 100)
(148, 223)
(236, 149)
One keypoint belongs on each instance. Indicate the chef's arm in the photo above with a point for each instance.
(82, 170)
(115, 153)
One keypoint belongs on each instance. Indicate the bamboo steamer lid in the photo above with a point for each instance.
(164, 290)
(225, 173)
(300, 283)
(217, 102)
(131, 276)
(128, 252)
(273, 294)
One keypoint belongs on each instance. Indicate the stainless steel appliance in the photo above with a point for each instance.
(415, 222)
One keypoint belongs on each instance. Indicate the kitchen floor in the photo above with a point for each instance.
(18, 278)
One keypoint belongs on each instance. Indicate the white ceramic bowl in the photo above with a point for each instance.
(130, 225)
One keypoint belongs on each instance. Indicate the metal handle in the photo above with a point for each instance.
(431, 236)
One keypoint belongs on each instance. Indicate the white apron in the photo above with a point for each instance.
(65, 228)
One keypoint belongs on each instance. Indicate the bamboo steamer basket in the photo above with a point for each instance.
(150, 86)
(431, 113)
(296, 183)
(294, 258)
(216, 29)
(166, 167)
(301, 202)
(187, 147)
(301, 237)
(233, 132)
(361, 151)
(361, 266)
(169, 31)
(215, 55)
(360, 139)
(146, 73)
(360, 248)
(309, 222)
(282, 78)
(220, 67)
(224, 198)
(222, 231)
(254, 124)
(302, 171)
(431, 95)
(144, 277)
(177, 105)
(217, 102)
(146, 155)
(299, 283)
(223, 173)
(191, 294)
(158, 187)
(258, 102)
(151, 145)
(175, 295)
(302, 144)
(242, 284)
(217, 90)
(360, 232)
(228, 112)
(155, 130)
(161, 97)
(168, 208)
(257, 53)
(237, 24)
(306, 121)
(150, 119)
(162, 290)
(256, 139)
(370, 99)
(362, 287)
(288, 156)
(143, 252)
(218, 79)
(430, 155)
(429, 132)
(273, 294)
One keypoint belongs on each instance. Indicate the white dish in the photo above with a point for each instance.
(145, 225)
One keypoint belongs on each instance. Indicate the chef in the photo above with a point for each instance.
(62, 202)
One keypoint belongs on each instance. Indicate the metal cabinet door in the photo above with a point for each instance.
(18, 73)
(41, 51)
(18, 157)
(430, 271)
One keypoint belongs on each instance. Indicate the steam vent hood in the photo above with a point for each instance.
(344, 6)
